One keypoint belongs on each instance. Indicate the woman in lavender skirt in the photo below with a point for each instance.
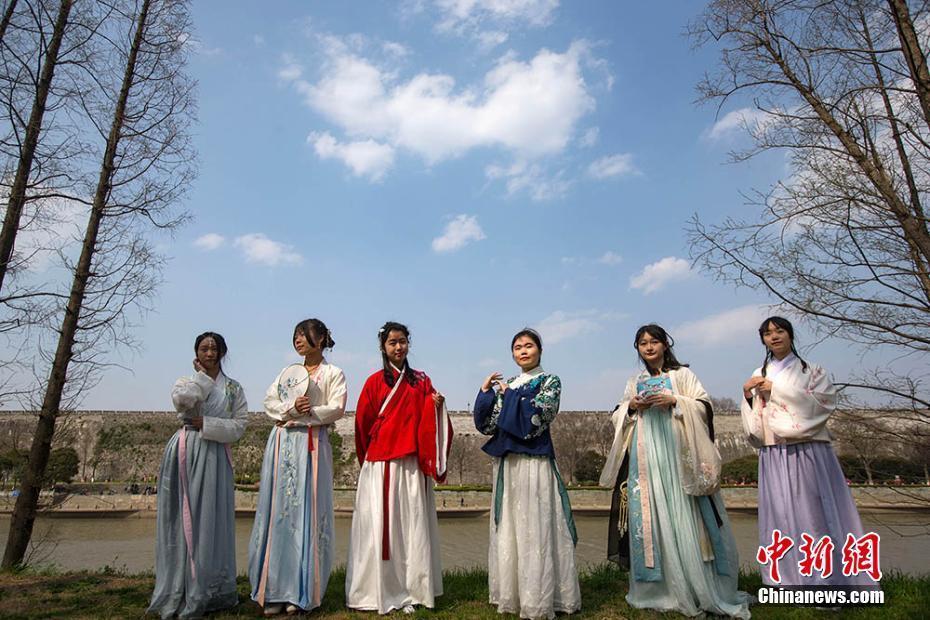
(802, 489)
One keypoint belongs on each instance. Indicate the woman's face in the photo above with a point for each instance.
(208, 354)
(303, 345)
(526, 353)
(396, 347)
(651, 349)
(777, 340)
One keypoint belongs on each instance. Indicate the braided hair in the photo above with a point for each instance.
(406, 372)
(785, 324)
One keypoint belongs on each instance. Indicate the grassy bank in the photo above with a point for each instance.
(110, 594)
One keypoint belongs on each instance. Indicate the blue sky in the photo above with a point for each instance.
(466, 167)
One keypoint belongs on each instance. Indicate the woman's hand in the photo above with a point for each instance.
(661, 401)
(438, 399)
(198, 367)
(196, 422)
(763, 385)
(638, 403)
(302, 405)
(494, 377)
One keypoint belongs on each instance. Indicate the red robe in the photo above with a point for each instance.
(407, 426)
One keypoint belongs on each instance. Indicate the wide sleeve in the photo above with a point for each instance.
(335, 406)
(802, 403)
(751, 413)
(275, 408)
(623, 424)
(485, 419)
(228, 430)
(189, 392)
(365, 413)
(525, 417)
(698, 458)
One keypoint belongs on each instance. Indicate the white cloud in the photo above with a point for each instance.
(397, 50)
(612, 166)
(522, 176)
(461, 231)
(258, 248)
(461, 15)
(561, 325)
(491, 39)
(655, 276)
(529, 108)
(719, 328)
(291, 70)
(209, 241)
(737, 120)
(610, 258)
(589, 137)
(365, 158)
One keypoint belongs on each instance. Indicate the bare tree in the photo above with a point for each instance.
(141, 110)
(33, 128)
(841, 87)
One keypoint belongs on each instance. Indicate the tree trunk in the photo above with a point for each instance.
(24, 512)
(7, 17)
(17, 200)
(910, 47)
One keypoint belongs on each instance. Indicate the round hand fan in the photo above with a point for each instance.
(294, 381)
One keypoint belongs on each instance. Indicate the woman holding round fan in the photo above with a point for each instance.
(291, 549)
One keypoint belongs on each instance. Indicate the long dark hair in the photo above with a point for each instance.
(221, 347)
(316, 333)
(406, 372)
(786, 325)
(669, 361)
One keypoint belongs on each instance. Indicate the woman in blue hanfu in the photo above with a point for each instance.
(531, 552)
(802, 489)
(195, 552)
(665, 472)
(291, 549)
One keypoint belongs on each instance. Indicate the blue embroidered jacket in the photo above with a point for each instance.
(519, 420)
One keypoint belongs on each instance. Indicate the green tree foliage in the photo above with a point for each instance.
(62, 466)
(589, 466)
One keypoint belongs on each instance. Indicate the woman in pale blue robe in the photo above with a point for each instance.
(195, 551)
(665, 473)
(292, 545)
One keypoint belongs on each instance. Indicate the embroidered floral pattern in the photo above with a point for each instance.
(546, 402)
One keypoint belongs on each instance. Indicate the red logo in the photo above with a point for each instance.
(817, 556)
(773, 553)
(861, 556)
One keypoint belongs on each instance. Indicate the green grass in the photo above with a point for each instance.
(109, 593)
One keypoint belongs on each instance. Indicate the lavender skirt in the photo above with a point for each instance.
(802, 489)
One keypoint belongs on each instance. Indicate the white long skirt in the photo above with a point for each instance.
(413, 574)
(531, 556)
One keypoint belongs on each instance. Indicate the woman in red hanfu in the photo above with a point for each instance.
(402, 439)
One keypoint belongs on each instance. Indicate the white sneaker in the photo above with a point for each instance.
(409, 609)
(273, 609)
(292, 609)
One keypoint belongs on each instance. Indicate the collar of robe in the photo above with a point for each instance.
(526, 377)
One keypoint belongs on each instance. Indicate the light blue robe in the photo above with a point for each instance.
(195, 550)
(292, 545)
(682, 578)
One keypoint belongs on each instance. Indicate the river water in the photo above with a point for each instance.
(129, 543)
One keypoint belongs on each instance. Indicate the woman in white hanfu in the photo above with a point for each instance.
(531, 551)
(665, 472)
(802, 489)
(291, 549)
(195, 551)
